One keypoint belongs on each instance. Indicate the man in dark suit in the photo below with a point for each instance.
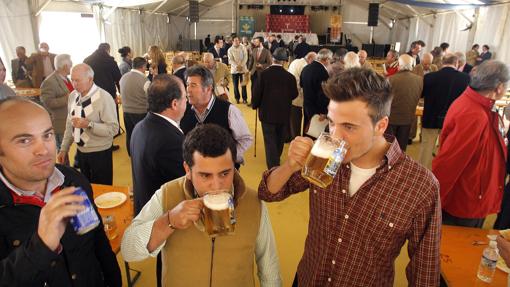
(440, 89)
(260, 60)
(275, 90)
(302, 48)
(21, 70)
(179, 68)
(312, 77)
(106, 73)
(219, 53)
(463, 66)
(156, 143)
(485, 55)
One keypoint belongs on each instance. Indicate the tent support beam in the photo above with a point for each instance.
(159, 6)
(42, 7)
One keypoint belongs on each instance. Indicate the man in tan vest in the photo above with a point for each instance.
(168, 222)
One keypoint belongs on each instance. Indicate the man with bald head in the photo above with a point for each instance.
(38, 247)
(42, 64)
(362, 54)
(179, 68)
(221, 75)
(91, 123)
(425, 66)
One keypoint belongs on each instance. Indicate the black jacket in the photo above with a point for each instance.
(222, 55)
(273, 95)
(440, 89)
(301, 50)
(86, 260)
(106, 71)
(181, 74)
(156, 157)
(467, 68)
(315, 101)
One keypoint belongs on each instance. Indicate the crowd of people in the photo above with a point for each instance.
(185, 138)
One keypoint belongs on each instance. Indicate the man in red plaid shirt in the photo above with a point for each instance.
(379, 199)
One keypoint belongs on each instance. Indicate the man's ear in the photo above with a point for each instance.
(187, 169)
(381, 126)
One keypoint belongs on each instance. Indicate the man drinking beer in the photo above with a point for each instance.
(191, 221)
(378, 199)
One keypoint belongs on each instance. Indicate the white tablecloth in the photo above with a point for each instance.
(311, 38)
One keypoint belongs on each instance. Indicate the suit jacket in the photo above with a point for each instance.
(301, 50)
(18, 79)
(106, 71)
(273, 95)
(181, 74)
(484, 57)
(55, 96)
(156, 156)
(440, 89)
(315, 101)
(467, 69)
(36, 61)
(264, 59)
(222, 55)
(418, 70)
(406, 88)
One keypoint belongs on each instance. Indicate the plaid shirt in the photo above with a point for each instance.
(354, 241)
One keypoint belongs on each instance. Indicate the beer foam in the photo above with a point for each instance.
(217, 201)
(322, 152)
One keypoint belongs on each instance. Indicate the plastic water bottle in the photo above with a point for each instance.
(489, 260)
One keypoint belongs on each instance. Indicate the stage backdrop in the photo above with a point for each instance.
(335, 24)
(246, 26)
(287, 23)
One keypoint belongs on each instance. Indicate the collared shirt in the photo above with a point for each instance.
(237, 125)
(134, 245)
(55, 180)
(48, 68)
(174, 123)
(237, 57)
(470, 165)
(354, 241)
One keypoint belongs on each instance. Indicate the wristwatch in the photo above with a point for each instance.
(91, 125)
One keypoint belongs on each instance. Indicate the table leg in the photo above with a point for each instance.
(128, 274)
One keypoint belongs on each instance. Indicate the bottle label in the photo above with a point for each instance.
(334, 162)
(489, 263)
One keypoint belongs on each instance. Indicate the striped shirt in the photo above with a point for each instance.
(354, 241)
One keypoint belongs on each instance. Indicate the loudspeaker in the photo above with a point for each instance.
(373, 14)
(193, 11)
(369, 48)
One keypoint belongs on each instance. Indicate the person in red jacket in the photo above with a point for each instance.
(470, 165)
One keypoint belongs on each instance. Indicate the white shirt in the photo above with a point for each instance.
(55, 180)
(295, 68)
(237, 56)
(137, 235)
(174, 123)
(358, 177)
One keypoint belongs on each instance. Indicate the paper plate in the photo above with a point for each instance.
(110, 200)
(502, 266)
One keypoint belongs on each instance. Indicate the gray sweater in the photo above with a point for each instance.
(133, 93)
(101, 112)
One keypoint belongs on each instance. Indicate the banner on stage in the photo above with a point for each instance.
(335, 24)
(246, 26)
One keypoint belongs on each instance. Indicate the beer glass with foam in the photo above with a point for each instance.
(324, 160)
(218, 214)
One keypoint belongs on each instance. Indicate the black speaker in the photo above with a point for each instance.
(373, 14)
(369, 48)
(193, 11)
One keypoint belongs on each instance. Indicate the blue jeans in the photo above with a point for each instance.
(237, 78)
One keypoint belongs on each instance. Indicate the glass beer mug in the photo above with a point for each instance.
(218, 217)
(324, 160)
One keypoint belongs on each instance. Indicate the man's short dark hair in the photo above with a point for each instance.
(210, 140)
(206, 77)
(234, 37)
(217, 40)
(486, 47)
(104, 47)
(21, 48)
(163, 90)
(475, 46)
(364, 85)
(489, 75)
(139, 62)
(444, 46)
(260, 38)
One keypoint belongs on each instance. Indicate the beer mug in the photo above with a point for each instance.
(218, 217)
(324, 160)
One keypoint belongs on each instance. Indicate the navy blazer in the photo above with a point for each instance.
(440, 89)
(156, 157)
(222, 55)
(315, 101)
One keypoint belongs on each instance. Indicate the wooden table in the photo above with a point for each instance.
(123, 215)
(460, 258)
(27, 92)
